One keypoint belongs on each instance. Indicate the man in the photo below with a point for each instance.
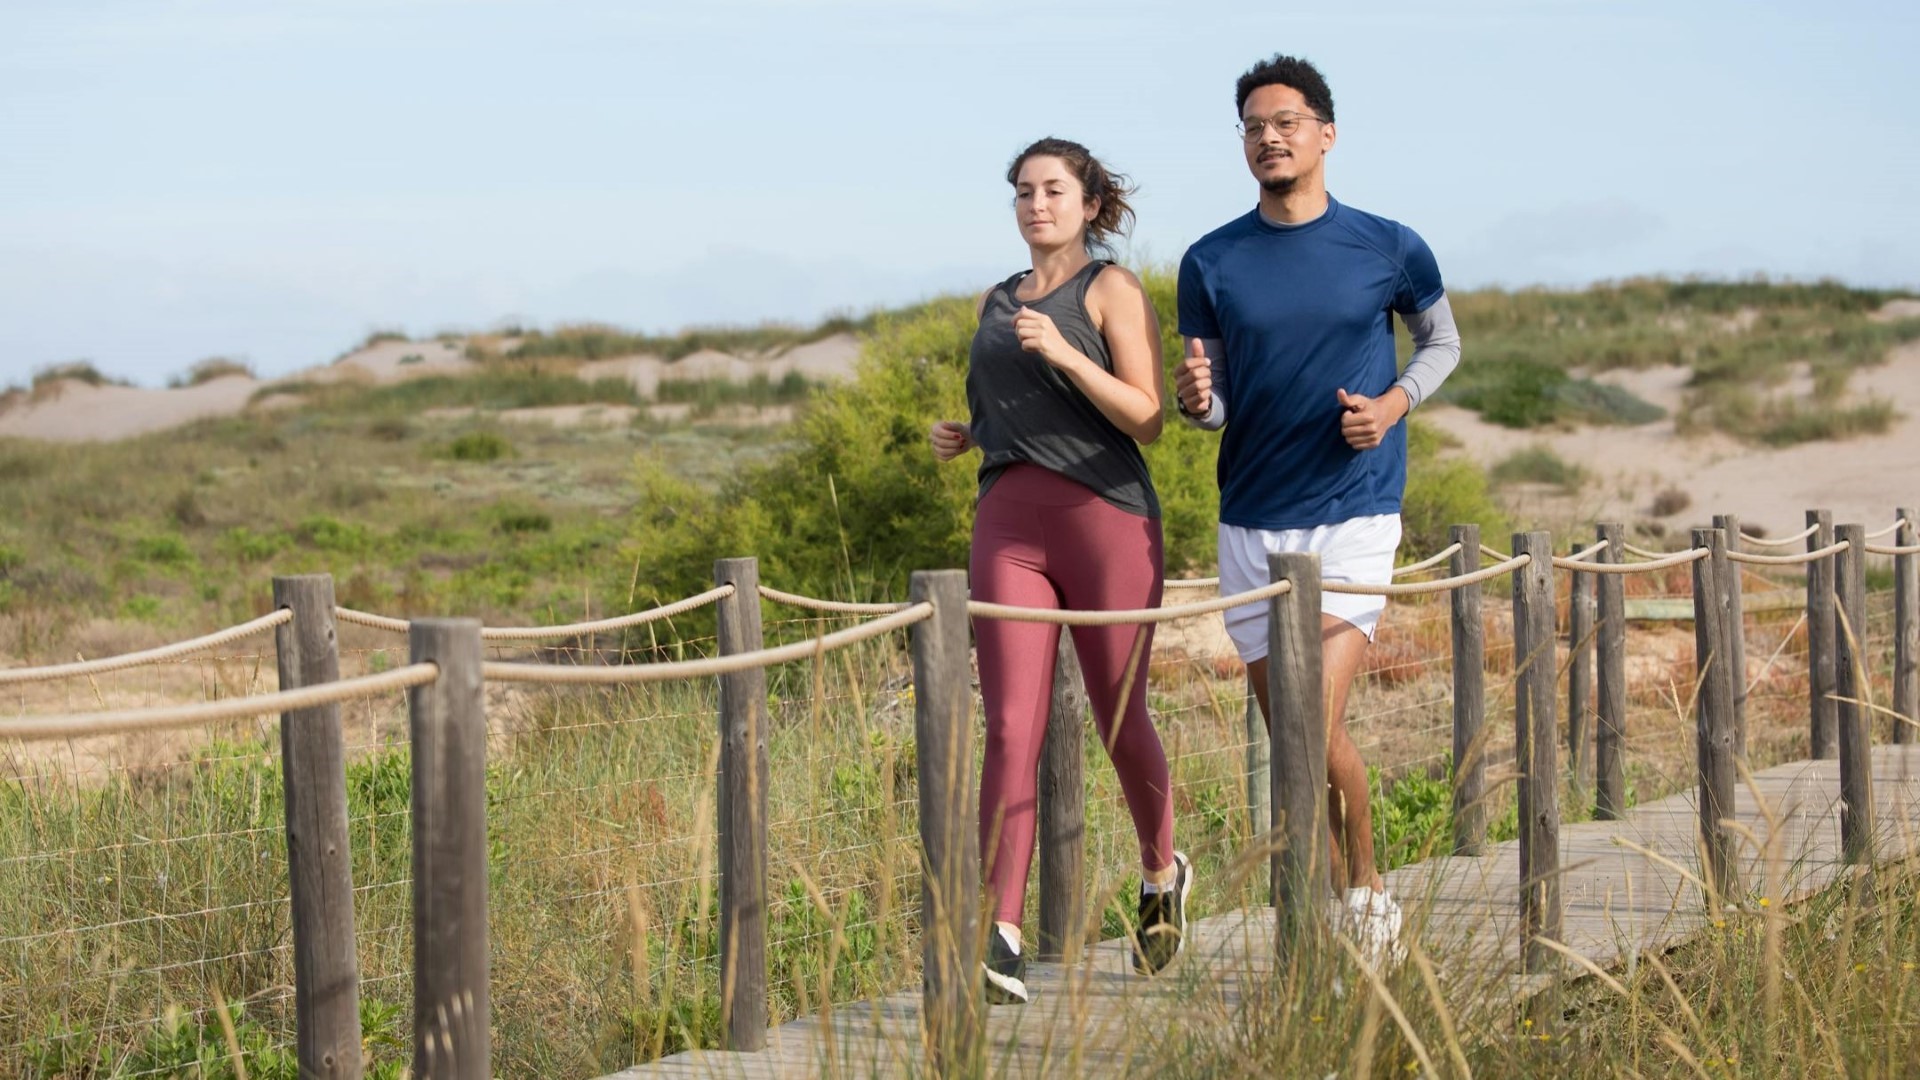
(1287, 315)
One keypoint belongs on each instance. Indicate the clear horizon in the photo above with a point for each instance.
(207, 179)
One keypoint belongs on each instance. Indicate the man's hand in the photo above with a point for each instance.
(1038, 334)
(1364, 421)
(950, 439)
(1193, 380)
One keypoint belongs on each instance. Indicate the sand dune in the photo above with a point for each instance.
(75, 411)
(1861, 479)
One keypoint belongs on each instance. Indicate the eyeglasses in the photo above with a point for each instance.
(1284, 125)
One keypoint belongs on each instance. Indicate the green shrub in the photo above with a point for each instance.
(479, 446)
(1538, 465)
(1529, 393)
(76, 370)
(1442, 492)
(144, 608)
(245, 545)
(518, 518)
(165, 550)
(332, 534)
(213, 367)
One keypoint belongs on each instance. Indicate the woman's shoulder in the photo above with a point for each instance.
(1007, 286)
(1114, 282)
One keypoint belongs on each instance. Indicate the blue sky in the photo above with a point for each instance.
(190, 179)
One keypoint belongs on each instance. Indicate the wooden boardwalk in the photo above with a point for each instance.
(1624, 896)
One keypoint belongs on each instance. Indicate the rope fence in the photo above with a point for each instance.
(603, 848)
(150, 656)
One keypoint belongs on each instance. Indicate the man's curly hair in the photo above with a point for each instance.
(1291, 71)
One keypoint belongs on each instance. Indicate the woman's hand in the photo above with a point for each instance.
(950, 439)
(1038, 334)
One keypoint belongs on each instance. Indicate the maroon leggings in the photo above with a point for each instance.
(1042, 540)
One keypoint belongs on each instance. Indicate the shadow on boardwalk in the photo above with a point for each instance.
(1629, 887)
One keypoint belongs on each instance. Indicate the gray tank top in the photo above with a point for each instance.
(1025, 410)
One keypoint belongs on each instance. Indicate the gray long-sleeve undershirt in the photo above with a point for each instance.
(1436, 352)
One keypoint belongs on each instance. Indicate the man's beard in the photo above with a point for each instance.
(1280, 185)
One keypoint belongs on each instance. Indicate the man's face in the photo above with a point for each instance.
(1280, 161)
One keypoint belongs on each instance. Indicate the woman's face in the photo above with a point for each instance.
(1050, 206)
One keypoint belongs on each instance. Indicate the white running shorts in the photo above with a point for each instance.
(1358, 551)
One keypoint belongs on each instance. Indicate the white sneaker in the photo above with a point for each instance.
(1372, 920)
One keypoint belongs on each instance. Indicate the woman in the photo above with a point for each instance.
(1063, 383)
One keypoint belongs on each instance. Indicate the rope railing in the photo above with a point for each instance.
(1429, 562)
(842, 607)
(981, 609)
(502, 671)
(1578, 560)
(1790, 560)
(1664, 562)
(1888, 531)
(1419, 587)
(149, 656)
(1780, 542)
(123, 721)
(1880, 549)
(529, 633)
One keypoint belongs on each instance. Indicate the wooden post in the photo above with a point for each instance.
(1729, 524)
(451, 1006)
(952, 1013)
(313, 765)
(1063, 811)
(1469, 698)
(1820, 637)
(1713, 718)
(1580, 605)
(1852, 690)
(1610, 656)
(1296, 692)
(1535, 749)
(1906, 629)
(742, 814)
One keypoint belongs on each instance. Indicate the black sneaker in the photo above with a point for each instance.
(1006, 971)
(1163, 921)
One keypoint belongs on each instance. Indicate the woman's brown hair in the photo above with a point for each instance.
(1115, 216)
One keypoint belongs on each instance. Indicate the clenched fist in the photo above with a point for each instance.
(1364, 421)
(1193, 380)
(950, 439)
(1038, 334)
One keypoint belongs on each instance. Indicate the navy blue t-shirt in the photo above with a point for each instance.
(1304, 311)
